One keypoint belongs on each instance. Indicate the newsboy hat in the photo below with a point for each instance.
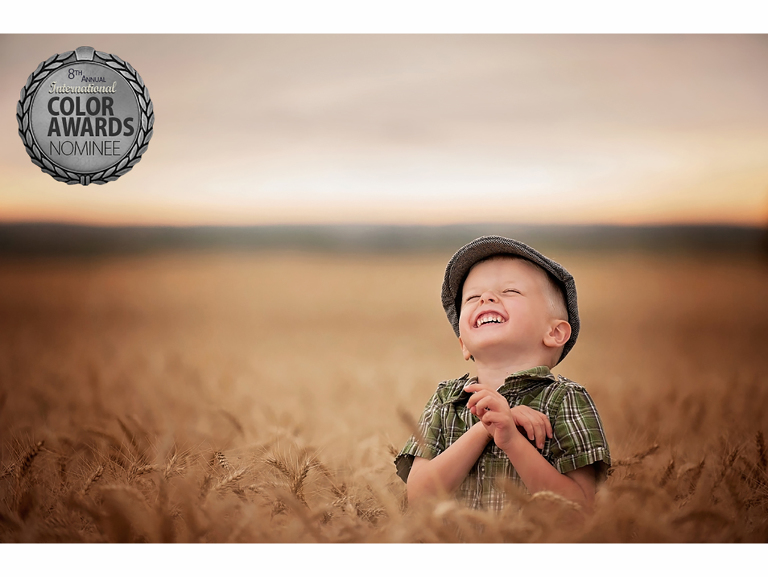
(468, 255)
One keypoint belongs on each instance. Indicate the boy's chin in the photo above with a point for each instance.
(495, 352)
(496, 349)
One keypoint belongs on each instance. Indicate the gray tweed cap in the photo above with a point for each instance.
(458, 268)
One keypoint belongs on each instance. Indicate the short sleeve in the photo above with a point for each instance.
(578, 435)
(431, 431)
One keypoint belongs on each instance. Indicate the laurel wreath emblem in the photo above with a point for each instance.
(112, 173)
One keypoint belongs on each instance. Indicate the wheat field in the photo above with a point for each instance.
(261, 396)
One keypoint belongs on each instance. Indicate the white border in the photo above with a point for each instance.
(391, 16)
(371, 560)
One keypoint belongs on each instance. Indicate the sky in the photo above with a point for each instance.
(419, 129)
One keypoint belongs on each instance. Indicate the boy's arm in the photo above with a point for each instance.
(538, 474)
(446, 471)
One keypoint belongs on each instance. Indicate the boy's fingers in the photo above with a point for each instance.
(525, 417)
(484, 406)
(477, 403)
(546, 425)
(542, 419)
(475, 394)
(476, 397)
(490, 417)
(529, 429)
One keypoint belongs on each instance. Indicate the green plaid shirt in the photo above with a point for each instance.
(578, 437)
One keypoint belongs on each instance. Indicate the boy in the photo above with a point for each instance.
(515, 313)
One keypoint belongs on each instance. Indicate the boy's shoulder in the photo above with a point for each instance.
(563, 393)
(565, 383)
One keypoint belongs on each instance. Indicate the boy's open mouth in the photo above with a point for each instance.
(489, 317)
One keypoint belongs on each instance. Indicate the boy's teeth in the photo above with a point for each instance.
(489, 318)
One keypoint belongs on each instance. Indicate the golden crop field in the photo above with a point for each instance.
(260, 396)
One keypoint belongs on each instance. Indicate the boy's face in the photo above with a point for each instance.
(504, 309)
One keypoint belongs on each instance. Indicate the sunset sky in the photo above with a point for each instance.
(420, 129)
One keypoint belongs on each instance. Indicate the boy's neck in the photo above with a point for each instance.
(491, 375)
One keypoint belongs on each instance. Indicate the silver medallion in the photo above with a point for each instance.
(85, 117)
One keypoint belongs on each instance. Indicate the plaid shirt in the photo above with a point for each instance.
(578, 437)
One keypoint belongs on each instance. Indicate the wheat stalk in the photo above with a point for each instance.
(637, 457)
(255, 488)
(762, 457)
(297, 484)
(725, 468)
(667, 474)
(279, 465)
(29, 457)
(696, 476)
(230, 480)
(63, 470)
(9, 470)
(176, 466)
(95, 476)
(139, 470)
(295, 473)
(222, 460)
(140, 453)
(338, 491)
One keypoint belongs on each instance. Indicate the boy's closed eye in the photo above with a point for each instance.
(473, 297)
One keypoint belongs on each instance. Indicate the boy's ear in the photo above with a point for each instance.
(465, 351)
(558, 334)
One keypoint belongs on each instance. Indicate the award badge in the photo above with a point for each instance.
(85, 116)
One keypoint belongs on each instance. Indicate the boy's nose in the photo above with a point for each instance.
(488, 297)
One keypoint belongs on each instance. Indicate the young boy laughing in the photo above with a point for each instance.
(515, 313)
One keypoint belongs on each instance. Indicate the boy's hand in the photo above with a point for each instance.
(501, 422)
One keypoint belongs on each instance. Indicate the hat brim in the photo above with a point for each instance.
(458, 268)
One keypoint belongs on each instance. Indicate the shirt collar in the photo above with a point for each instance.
(513, 382)
(540, 372)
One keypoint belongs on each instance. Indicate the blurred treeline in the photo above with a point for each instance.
(52, 239)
